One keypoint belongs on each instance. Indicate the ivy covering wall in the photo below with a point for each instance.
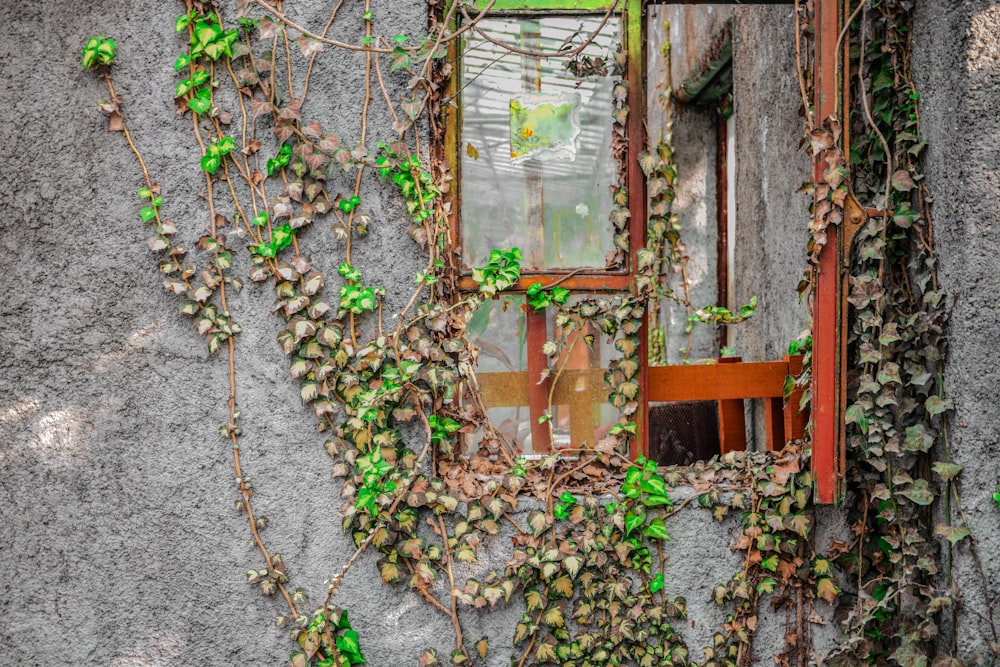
(117, 490)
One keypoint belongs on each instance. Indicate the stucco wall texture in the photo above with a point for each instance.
(119, 543)
(957, 66)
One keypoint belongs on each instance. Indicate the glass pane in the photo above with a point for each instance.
(499, 330)
(579, 398)
(536, 165)
(580, 408)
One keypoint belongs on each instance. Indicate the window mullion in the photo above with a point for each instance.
(538, 391)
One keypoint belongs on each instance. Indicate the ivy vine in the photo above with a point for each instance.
(588, 567)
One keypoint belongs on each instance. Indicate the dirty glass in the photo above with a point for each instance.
(499, 330)
(580, 408)
(535, 144)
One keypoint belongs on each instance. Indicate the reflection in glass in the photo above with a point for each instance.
(575, 381)
(536, 165)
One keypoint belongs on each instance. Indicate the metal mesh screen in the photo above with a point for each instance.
(684, 432)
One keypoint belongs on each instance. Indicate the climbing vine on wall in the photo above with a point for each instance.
(903, 597)
(425, 476)
(591, 575)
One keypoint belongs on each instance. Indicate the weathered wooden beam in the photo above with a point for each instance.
(828, 322)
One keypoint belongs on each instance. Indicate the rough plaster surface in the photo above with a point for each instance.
(118, 538)
(957, 64)
(770, 212)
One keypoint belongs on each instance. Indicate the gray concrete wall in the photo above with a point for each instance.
(957, 64)
(694, 142)
(770, 212)
(118, 538)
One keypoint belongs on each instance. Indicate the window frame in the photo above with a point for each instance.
(577, 281)
(830, 310)
(581, 280)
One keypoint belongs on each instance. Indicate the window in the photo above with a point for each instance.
(547, 163)
(544, 155)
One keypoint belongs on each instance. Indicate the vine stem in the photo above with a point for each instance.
(283, 18)
(312, 60)
(128, 137)
(459, 636)
(810, 124)
(335, 580)
(244, 491)
(544, 54)
(840, 40)
(864, 105)
(322, 39)
(555, 380)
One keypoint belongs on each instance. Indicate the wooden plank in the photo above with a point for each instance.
(729, 383)
(732, 426)
(504, 390)
(826, 409)
(711, 382)
(774, 424)
(732, 417)
(636, 180)
(510, 389)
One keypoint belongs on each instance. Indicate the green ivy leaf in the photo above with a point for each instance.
(919, 492)
(953, 534)
(201, 102)
(656, 529)
(210, 163)
(183, 87)
(225, 145)
(399, 59)
(936, 405)
(947, 471)
(183, 21)
(348, 645)
(99, 51)
(656, 583)
(766, 586)
(856, 415)
(633, 521)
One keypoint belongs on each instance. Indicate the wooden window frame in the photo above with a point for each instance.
(577, 281)
(830, 310)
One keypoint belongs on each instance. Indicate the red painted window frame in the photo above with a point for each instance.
(829, 307)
